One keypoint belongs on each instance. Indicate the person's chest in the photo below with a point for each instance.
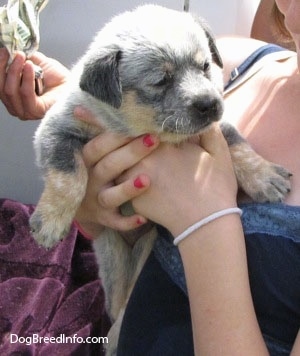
(267, 114)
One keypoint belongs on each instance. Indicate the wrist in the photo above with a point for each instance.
(188, 217)
(204, 221)
(214, 236)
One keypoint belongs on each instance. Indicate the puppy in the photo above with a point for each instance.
(151, 70)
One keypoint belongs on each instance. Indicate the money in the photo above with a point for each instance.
(19, 26)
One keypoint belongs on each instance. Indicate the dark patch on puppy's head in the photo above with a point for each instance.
(100, 78)
(211, 41)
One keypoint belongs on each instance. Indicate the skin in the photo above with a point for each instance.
(261, 28)
(106, 157)
(221, 305)
(17, 91)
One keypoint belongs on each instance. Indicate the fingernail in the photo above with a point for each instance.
(148, 140)
(141, 221)
(138, 183)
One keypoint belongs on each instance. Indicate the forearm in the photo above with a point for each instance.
(223, 316)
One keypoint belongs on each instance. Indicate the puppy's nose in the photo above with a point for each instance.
(208, 106)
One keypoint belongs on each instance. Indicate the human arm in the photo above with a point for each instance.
(223, 316)
(188, 184)
(17, 86)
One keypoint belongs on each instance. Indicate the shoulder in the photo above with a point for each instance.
(234, 50)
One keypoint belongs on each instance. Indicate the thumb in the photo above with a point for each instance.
(38, 58)
(213, 140)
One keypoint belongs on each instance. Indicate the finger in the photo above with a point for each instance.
(54, 72)
(28, 77)
(4, 56)
(100, 146)
(119, 222)
(86, 116)
(38, 58)
(213, 140)
(127, 223)
(29, 99)
(12, 84)
(114, 221)
(116, 162)
(119, 194)
(14, 73)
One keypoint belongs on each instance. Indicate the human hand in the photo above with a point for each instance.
(17, 84)
(188, 182)
(106, 157)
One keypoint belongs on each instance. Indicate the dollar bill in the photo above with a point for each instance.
(19, 26)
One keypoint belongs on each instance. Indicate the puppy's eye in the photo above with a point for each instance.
(164, 81)
(206, 66)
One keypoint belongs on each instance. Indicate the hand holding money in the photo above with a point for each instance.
(20, 78)
(19, 30)
(17, 85)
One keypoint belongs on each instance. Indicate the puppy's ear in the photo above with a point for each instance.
(211, 41)
(213, 48)
(100, 78)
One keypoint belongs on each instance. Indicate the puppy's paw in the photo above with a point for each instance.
(267, 182)
(47, 232)
(261, 180)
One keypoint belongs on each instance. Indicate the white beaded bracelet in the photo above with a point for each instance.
(205, 221)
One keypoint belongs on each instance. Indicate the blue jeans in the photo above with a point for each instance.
(157, 320)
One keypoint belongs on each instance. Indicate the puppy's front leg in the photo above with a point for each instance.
(58, 204)
(260, 179)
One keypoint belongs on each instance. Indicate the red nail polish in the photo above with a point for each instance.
(148, 140)
(138, 183)
(140, 221)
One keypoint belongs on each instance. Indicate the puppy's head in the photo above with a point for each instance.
(159, 69)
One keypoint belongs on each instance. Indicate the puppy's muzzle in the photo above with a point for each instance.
(207, 109)
(207, 106)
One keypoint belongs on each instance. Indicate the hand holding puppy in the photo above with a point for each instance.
(107, 156)
(188, 182)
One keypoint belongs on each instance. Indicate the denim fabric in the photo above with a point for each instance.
(157, 318)
(158, 315)
(273, 251)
